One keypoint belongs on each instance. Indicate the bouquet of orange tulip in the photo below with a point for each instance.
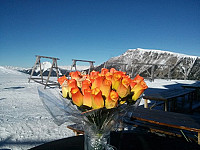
(106, 89)
(96, 101)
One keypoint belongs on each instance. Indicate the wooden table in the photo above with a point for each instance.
(123, 141)
(167, 95)
(169, 119)
(195, 86)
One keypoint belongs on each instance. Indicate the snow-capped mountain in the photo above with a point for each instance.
(141, 61)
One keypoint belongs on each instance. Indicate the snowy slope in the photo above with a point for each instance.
(24, 122)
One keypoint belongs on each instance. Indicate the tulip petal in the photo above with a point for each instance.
(65, 91)
(97, 101)
(104, 71)
(112, 100)
(124, 88)
(62, 79)
(97, 82)
(138, 90)
(75, 75)
(138, 78)
(77, 97)
(116, 79)
(105, 87)
(71, 84)
(87, 97)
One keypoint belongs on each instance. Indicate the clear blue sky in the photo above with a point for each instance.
(95, 29)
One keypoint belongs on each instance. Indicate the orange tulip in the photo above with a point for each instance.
(87, 97)
(105, 87)
(116, 79)
(124, 88)
(94, 75)
(132, 83)
(104, 71)
(138, 89)
(97, 82)
(65, 91)
(75, 75)
(71, 84)
(109, 76)
(113, 70)
(62, 79)
(97, 99)
(77, 97)
(112, 100)
(138, 79)
(85, 85)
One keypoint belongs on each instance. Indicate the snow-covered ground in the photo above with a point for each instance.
(24, 122)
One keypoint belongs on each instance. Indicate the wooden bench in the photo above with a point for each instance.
(167, 95)
(169, 119)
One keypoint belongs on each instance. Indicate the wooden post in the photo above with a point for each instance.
(41, 70)
(199, 138)
(91, 66)
(49, 73)
(191, 98)
(56, 67)
(73, 64)
(33, 69)
(145, 103)
(166, 106)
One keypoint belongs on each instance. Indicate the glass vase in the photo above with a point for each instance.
(96, 141)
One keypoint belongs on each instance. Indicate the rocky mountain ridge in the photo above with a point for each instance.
(163, 64)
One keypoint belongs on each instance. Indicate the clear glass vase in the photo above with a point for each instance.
(96, 141)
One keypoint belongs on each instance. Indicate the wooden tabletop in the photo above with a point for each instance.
(170, 119)
(166, 94)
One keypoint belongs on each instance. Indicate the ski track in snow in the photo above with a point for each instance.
(24, 122)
